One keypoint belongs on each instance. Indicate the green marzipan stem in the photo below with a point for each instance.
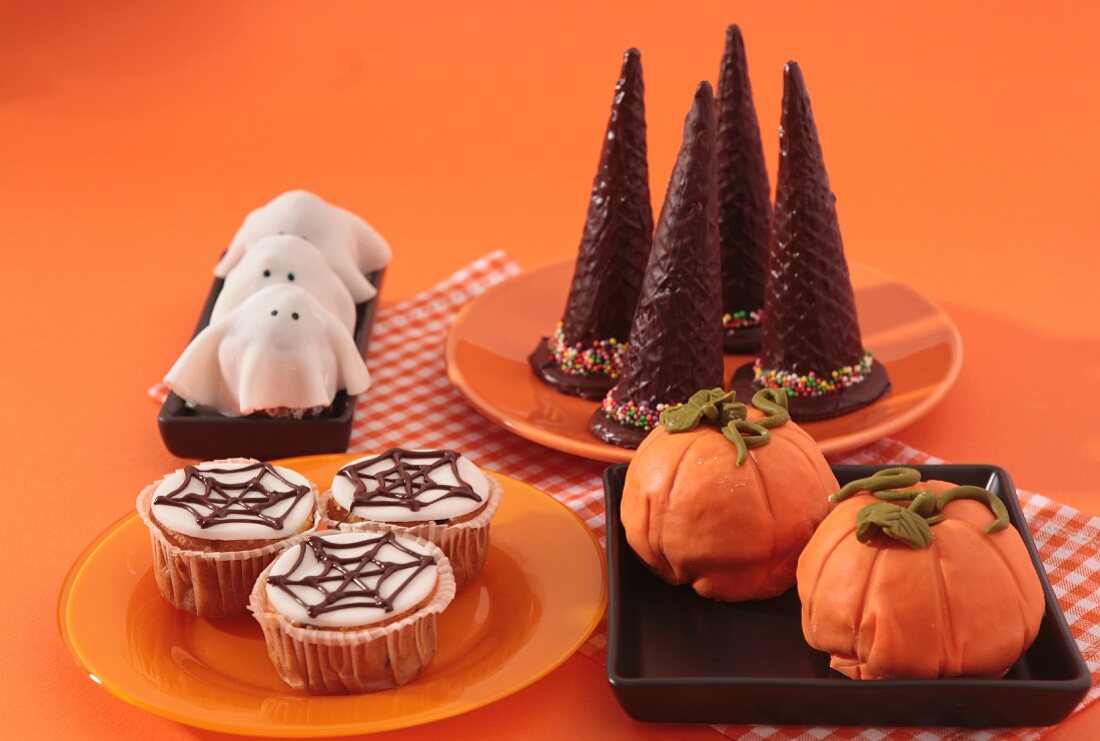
(720, 408)
(912, 525)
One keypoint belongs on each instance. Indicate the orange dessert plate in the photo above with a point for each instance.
(540, 595)
(492, 336)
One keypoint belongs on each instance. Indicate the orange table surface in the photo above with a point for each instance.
(962, 142)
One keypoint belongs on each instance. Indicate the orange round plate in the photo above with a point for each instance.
(538, 598)
(492, 336)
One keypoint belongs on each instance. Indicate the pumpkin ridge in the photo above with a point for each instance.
(825, 560)
(863, 607)
(1015, 580)
(687, 578)
(762, 488)
(809, 461)
(811, 444)
(945, 604)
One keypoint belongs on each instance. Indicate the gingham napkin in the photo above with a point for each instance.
(407, 364)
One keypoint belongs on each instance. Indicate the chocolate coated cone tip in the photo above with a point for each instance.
(704, 94)
(796, 99)
(631, 73)
(735, 44)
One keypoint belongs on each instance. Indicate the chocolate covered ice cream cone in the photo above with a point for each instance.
(676, 344)
(744, 202)
(584, 355)
(811, 345)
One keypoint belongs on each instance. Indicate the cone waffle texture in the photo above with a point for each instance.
(676, 341)
(207, 583)
(466, 543)
(810, 321)
(618, 230)
(744, 195)
(333, 661)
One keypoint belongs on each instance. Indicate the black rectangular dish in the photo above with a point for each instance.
(195, 432)
(676, 657)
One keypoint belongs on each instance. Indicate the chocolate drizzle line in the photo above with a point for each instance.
(343, 582)
(245, 502)
(405, 483)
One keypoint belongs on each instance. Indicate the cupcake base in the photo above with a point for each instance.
(615, 433)
(465, 543)
(593, 387)
(744, 341)
(826, 406)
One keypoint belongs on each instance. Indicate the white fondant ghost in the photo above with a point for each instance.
(350, 245)
(285, 259)
(280, 349)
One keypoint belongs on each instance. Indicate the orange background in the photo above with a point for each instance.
(961, 141)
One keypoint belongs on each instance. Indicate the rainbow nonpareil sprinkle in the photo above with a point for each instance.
(602, 357)
(631, 414)
(810, 384)
(740, 319)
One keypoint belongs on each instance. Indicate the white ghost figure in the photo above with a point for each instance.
(350, 245)
(280, 350)
(285, 259)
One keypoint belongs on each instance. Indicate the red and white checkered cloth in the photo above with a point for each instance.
(407, 363)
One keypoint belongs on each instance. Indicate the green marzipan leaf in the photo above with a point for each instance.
(894, 522)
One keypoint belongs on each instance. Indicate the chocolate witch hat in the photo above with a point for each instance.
(811, 344)
(584, 356)
(744, 202)
(676, 339)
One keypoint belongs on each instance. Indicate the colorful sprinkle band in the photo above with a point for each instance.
(742, 318)
(602, 357)
(631, 414)
(810, 384)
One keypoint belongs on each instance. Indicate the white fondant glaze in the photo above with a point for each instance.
(350, 245)
(278, 349)
(417, 590)
(286, 260)
(343, 491)
(179, 520)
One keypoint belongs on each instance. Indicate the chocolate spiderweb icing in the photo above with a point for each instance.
(407, 483)
(249, 502)
(365, 580)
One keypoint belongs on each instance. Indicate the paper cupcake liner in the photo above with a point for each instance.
(466, 544)
(332, 661)
(208, 583)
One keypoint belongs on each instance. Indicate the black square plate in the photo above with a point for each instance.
(676, 657)
(196, 432)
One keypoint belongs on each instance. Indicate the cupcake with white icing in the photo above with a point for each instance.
(438, 495)
(215, 526)
(346, 612)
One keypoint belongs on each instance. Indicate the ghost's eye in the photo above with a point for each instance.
(267, 273)
(274, 312)
(290, 276)
(294, 316)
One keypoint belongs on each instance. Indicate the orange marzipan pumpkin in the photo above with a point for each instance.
(968, 605)
(733, 532)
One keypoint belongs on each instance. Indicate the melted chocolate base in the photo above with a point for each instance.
(613, 433)
(546, 369)
(812, 408)
(745, 341)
